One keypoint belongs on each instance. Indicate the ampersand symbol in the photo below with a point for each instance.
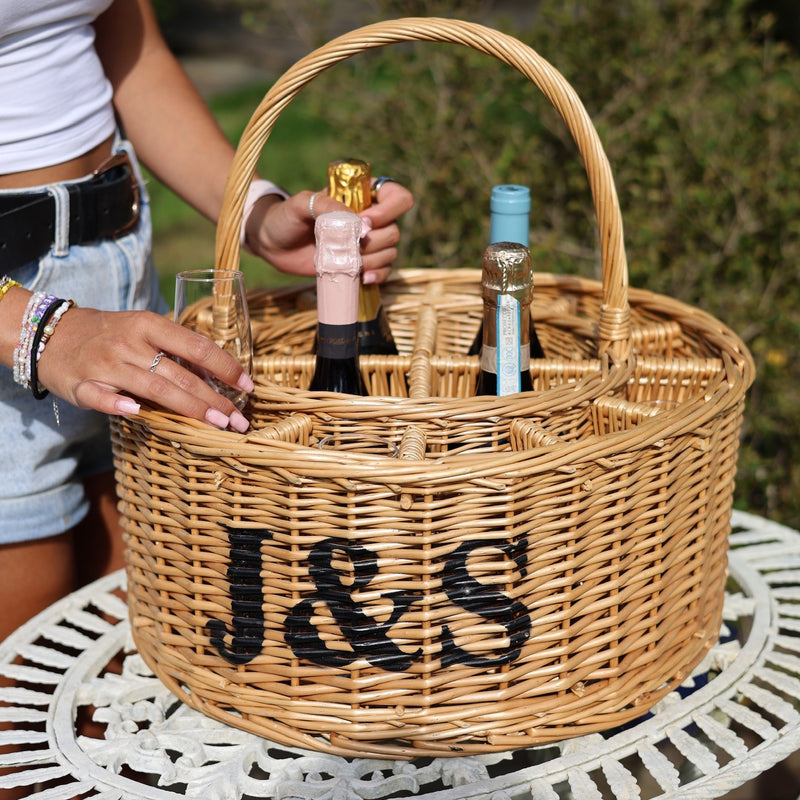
(367, 636)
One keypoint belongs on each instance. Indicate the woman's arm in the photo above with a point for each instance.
(160, 109)
(100, 360)
(177, 137)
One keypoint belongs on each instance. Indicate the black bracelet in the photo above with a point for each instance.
(38, 393)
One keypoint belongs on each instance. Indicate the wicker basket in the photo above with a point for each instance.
(424, 572)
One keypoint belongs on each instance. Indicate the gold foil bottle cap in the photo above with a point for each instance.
(349, 182)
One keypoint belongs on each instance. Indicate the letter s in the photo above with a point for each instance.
(487, 603)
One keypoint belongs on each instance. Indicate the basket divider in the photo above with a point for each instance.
(412, 448)
(419, 374)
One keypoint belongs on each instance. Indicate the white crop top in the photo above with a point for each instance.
(55, 101)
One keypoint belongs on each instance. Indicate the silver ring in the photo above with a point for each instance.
(377, 185)
(157, 360)
(311, 206)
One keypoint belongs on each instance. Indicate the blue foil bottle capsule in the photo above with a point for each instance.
(510, 207)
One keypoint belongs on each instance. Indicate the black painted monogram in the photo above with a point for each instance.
(369, 639)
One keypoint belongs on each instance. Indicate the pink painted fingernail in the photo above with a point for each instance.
(239, 422)
(366, 226)
(216, 418)
(245, 383)
(125, 405)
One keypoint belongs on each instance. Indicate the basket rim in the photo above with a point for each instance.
(735, 377)
(639, 297)
(197, 439)
(738, 366)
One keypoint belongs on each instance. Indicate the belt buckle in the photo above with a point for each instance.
(122, 159)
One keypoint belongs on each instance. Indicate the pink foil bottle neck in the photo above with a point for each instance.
(337, 261)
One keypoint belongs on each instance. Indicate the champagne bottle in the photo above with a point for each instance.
(337, 261)
(349, 182)
(509, 221)
(507, 289)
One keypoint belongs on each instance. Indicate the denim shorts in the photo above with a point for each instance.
(42, 463)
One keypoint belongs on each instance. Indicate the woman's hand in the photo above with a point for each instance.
(282, 231)
(101, 359)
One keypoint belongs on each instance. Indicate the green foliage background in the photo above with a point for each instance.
(697, 105)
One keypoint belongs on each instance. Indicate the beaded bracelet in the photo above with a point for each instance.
(38, 304)
(22, 350)
(47, 325)
(7, 283)
(33, 326)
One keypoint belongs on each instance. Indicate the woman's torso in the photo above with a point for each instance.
(56, 116)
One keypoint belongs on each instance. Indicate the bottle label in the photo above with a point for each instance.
(509, 358)
(489, 358)
(337, 341)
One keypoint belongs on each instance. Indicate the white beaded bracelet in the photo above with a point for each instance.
(36, 304)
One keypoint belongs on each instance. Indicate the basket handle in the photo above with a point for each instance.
(613, 333)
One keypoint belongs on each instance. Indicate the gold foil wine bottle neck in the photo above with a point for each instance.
(349, 182)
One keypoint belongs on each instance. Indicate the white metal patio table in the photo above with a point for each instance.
(737, 717)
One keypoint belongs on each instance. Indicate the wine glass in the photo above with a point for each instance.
(213, 303)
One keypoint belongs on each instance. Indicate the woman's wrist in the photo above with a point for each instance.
(42, 314)
(14, 302)
(259, 189)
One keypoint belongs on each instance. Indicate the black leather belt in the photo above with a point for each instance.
(104, 206)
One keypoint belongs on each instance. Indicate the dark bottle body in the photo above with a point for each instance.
(337, 368)
(509, 221)
(337, 260)
(505, 349)
(349, 182)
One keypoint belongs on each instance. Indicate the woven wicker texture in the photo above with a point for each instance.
(421, 571)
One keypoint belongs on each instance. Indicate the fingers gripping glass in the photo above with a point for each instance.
(213, 303)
